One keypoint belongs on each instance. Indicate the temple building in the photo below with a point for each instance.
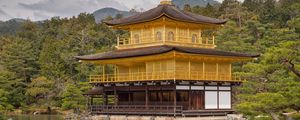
(167, 65)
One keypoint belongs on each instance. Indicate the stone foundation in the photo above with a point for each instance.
(119, 117)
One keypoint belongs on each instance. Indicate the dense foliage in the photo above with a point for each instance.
(38, 70)
(37, 65)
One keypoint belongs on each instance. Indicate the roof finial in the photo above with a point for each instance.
(169, 2)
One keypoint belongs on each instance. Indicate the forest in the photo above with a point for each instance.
(38, 70)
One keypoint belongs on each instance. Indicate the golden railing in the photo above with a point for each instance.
(165, 75)
(203, 42)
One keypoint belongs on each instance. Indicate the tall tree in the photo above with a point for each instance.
(40, 91)
(119, 16)
(187, 8)
(233, 10)
(272, 82)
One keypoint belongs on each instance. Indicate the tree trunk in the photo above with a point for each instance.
(291, 67)
(49, 111)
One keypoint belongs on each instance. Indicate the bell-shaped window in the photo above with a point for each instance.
(136, 39)
(158, 36)
(194, 38)
(171, 36)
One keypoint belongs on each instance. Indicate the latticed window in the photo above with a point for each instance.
(158, 36)
(171, 36)
(136, 38)
(194, 38)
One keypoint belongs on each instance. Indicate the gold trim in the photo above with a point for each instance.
(166, 2)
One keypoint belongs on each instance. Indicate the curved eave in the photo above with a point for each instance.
(167, 55)
(146, 52)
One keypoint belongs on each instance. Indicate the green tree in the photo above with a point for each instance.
(271, 86)
(295, 24)
(40, 91)
(4, 102)
(268, 12)
(19, 57)
(187, 8)
(73, 98)
(19, 63)
(233, 10)
(253, 5)
(119, 16)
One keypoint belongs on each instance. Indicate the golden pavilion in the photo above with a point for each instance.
(166, 66)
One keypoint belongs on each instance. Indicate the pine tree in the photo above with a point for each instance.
(187, 8)
(73, 98)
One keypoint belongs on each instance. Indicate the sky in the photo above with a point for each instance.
(44, 9)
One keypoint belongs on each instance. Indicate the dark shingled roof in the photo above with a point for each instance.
(169, 11)
(159, 50)
(94, 91)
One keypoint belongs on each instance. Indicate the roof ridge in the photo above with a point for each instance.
(169, 10)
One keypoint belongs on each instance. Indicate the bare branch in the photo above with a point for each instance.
(291, 67)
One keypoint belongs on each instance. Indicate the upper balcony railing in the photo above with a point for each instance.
(203, 42)
(164, 75)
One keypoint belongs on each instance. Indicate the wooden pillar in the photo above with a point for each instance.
(217, 71)
(147, 97)
(131, 37)
(174, 97)
(103, 72)
(164, 34)
(200, 37)
(115, 73)
(129, 95)
(188, 35)
(176, 34)
(213, 37)
(164, 31)
(118, 40)
(203, 71)
(92, 100)
(106, 99)
(115, 96)
(103, 99)
(142, 35)
(189, 69)
(190, 95)
(157, 96)
(160, 95)
(130, 75)
(230, 75)
(153, 34)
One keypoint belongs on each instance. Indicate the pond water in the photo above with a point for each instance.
(34, 117)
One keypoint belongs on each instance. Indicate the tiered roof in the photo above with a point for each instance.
(167, 10)
(146, 51)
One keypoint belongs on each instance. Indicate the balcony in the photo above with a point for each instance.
(203, 42)
(165, 75)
